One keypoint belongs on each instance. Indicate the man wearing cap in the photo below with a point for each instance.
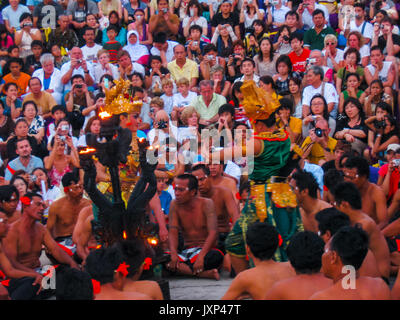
(389, 174)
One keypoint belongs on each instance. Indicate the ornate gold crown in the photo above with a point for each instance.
(120, 100)
(258, 104)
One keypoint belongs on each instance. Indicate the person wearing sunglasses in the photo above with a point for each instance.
(334, 57)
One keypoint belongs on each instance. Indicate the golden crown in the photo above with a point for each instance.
(258, 104)
(120, 100)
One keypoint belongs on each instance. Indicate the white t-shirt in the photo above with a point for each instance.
(364, 51)
(233, 170)
(170, 51)
(173, 131)
(330, 96)
(383, 74)
(339, 57)
(368, 29)
(90, 53)
(65, 68)
(278, 15)
(179, 101)
(201, 21)
(249, 21)
(168, 103)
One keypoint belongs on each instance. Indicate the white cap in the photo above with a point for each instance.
(393, 147)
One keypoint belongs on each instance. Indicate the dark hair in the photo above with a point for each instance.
(36, 43)
(7, 191)
(209, 47)
(285, 103)
(292, 13)
(382, 104)
(58, 107)
(193, 183)
(325, 114)
(10, 84)
(227, 107)
(16, 60)
(133, 252)
(260, 23)
(31, 194)
(16, 177)
(102, 263)
(28, 103)
(46, 173)
(296, 35)
(271, 51)
(112, 27)
(236, 88)
(73, 284)
(195, 27)
(270, 121)
(356, 102)
(203, 167)
(360, 163)
(331, 219)
(355, 51)
(248, 59)
(318, 11)
(347, 191)
(11, 48)
(305, 180)
(286, 60)
(359, 5)
(351, 245)
(69, 178)
(160, 37)
(268, 80)
(24, 16)
(197, 4)
(332, 177)
(34, 78)
(305, 251)
(77, 76)
(373, 48)
(262, 239)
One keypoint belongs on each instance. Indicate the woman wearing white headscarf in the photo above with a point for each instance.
(138, 52)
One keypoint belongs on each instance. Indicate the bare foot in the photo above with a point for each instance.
(210, 274)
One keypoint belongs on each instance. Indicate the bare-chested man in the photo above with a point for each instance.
(304, 252)
(356, 170)
(9, 198)
(134, 255)
(108, 268)
(224, 203)
(348, 247)
(262, 240)
(26, 237)
(82, 236)
(305, 187)
(195, 217)
(218, 178)
(63, 213)
(330, 220)
(32, 279)
(348, 200)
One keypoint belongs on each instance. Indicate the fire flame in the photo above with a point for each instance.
(124, 235)
(104, 114)
(152, 241)
(87, 150)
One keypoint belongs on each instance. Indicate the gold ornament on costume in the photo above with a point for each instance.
(119, 99)
(258, 104)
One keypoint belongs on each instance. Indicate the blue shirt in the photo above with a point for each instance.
(13, 16)
(16, 164)
(165, 199)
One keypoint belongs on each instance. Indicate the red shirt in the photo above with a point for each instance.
(394, 179)
(299, 62)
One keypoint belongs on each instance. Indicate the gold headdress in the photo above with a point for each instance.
(119, 99)
(258, 104)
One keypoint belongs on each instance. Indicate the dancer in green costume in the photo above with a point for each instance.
(269, 201)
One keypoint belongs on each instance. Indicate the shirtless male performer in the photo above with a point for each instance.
(63, 213)
(219, 179)
(9, 198)
(306, 188)
(262, 240)
(304, 252)
(348, 247)
(27, 236)
(224, 203)
(197, 220)
(356, 170)
(348, 200)
(330, 220)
